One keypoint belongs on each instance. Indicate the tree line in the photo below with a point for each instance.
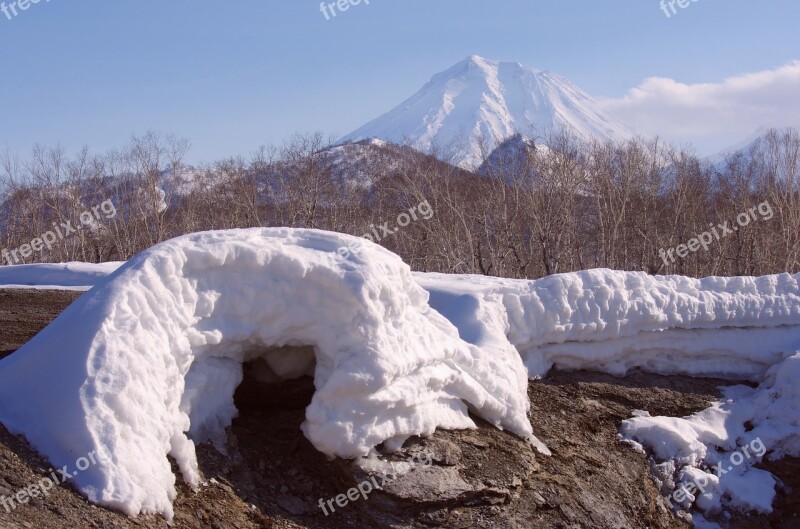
(560, 205)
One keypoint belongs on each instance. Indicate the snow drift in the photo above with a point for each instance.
(739, 328)
(75, 276)
(156, 351)
(146, 363)
(727, 327)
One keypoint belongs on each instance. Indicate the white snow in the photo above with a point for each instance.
(478, 99)
(70, 276)
(613, 321)
(156, 350)
(718, 447)
(737, 328)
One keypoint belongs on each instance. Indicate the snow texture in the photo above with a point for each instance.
(486, 102)
(59, 275)
(710, 456)
(734, 328)
(156, 351)
(739, 328)
(148, 360)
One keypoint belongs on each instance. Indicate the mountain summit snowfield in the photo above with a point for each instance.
(485, 102)
(145, 364)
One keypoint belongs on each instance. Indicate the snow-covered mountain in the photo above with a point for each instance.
(482, 103)
(746, 146)
(510, 157)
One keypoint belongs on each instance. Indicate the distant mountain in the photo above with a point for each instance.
(355, 164)
(746, 145)
(483, 103)
(510, 158)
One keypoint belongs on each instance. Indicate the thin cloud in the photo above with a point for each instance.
(712, 114)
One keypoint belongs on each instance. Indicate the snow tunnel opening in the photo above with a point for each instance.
(279, 378)
(276, 388)
(264, 445)
(239, 380)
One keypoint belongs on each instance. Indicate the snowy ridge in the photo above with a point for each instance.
(485, 102)
(746, 146)
(354, 164)
(615, 321)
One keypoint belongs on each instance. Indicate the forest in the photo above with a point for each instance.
(557, 205)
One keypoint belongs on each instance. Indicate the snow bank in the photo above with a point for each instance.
(612, 321)
(737, 328)
(156, 351)
(77, 276)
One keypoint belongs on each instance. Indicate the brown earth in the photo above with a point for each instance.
(271, 476)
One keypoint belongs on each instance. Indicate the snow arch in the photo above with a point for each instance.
(155, 352)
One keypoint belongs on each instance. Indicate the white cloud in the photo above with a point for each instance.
(712, 115)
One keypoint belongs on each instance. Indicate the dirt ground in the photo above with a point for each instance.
(271, 476)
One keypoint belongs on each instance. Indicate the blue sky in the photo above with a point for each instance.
(231, 76)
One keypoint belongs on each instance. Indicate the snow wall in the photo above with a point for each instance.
(737, 328)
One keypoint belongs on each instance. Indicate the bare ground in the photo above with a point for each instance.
(271, 476)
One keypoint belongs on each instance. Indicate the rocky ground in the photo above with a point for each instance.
(271, 477)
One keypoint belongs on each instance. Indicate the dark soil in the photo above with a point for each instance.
(271, 476)
(23, 313)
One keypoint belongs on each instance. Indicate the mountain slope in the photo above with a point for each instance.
(484, 102)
